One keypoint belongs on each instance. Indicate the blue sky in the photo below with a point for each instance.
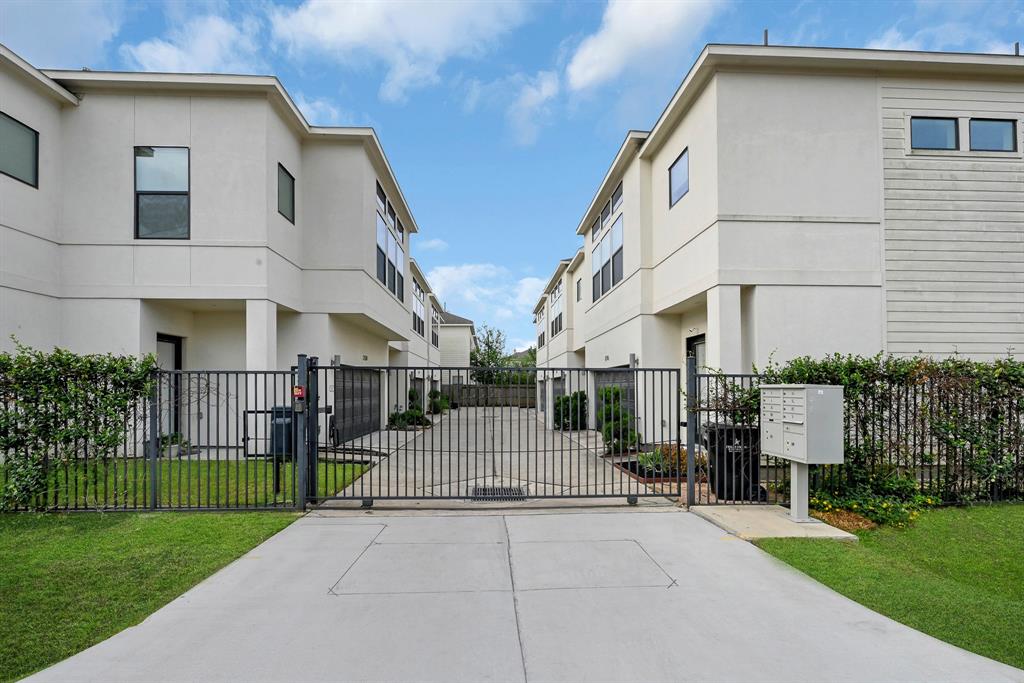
(499, 118)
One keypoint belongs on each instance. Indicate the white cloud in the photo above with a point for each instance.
(432, 244)
(205, 44)
(893, 39)
(636, 34)
(532, 106)
(65, 34)
(413, 39)
(318, 111)
(486, 292)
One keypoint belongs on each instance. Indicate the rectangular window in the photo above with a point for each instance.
(391, 214)
(617, 252)
(993, 135)
(418, 312)
(933, 133)
(595, 230)
(540, 340)
(435, 326)
(382, 250)
(392, 257)
(579, 289)
(401, 229)
(595, 272)
(19, 151)
(679, 178)
(161, 193)
(606, 213)
(400, 267)
(382, 199)
(285, 194)
(617, 198)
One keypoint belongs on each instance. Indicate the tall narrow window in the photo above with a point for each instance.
(400, 267)
(617, 252)
(19, 151)
(606, 265)
(392, 257)
(382, 199)
(679, 178)
(933, 133)
(993, 135)
(617, 198)
(382, 250)
(161, 193)
(285, 193)
(606, 212)
(579, 289)
(595, 272)
(595, 230)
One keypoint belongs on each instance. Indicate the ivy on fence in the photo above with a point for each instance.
(56, 406)
(953, 426)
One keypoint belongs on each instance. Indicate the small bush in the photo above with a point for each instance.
(414, 397)
(570, 411)
(616, 422)
(436, 407)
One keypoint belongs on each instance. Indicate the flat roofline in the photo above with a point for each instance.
(866, 61)
(227, 83)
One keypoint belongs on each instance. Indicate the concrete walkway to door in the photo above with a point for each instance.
(640, 595)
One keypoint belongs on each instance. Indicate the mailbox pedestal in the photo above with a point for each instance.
(802, 423)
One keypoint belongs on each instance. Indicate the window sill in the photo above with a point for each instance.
(963, 154)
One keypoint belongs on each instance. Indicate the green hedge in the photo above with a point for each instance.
(56, 406)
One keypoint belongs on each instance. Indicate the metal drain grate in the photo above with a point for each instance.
(499, 493)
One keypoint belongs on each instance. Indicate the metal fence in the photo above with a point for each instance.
(203, 440)
(949, 435)
(505, 435)
(228, 440)
(725, 463)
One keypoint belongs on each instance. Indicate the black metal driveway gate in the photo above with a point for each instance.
(488, 433)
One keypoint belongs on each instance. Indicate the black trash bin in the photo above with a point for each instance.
(734, 452)
(281, 442)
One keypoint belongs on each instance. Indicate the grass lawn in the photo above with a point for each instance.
(185, 483)
(70, 581)
(956, 574)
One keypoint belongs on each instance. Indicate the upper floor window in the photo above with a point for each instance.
(556, 310)
(540, 340)
(19, 151)
(595, 230)
(435, 327)
(993, 135)
(606, 213)
(933, 133)
(390, 252)
(606, 261)
(418, 311)
(617, 198)
(579, 289)
(285, 193)
(161, 193)
(679, 178)
(382, 199)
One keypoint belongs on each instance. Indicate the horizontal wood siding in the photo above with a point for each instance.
(954, 228)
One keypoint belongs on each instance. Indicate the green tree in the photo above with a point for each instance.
(488, 354)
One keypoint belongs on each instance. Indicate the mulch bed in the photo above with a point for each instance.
(845, 520)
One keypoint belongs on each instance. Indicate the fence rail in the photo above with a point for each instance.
(954, 438)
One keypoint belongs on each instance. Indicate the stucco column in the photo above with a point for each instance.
(260, 335)
(724, 335)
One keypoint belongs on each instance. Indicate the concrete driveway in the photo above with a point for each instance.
(639, 595)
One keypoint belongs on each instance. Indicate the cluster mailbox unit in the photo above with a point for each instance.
(802, 423)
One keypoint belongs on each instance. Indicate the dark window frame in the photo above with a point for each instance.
(579, 289)
(989, 119)
(684, 153)
(956, 134)
(291, 219)
(36, 168)
(187, 193)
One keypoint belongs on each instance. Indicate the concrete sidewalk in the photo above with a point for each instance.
(597, 595)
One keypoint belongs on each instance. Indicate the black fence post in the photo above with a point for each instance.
(691, 428)
(153, 446)
(299, 422)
